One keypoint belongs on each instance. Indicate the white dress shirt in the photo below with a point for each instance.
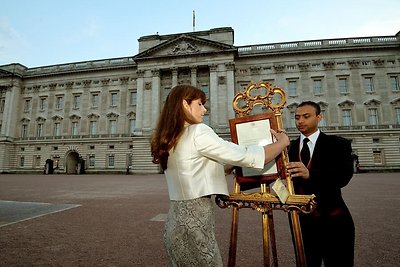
(195, 165)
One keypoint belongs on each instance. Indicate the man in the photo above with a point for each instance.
(328, 232)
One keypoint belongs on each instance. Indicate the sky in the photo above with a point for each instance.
(48, 32)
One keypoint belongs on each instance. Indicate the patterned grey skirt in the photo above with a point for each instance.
(189, 234)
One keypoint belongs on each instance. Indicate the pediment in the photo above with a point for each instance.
(395, 101)
(372, 102)
(184, 45)
(346, 103)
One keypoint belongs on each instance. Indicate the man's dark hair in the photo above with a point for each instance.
(313, 104)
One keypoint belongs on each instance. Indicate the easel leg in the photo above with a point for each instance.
(272, 238)
(265, 230)
(233, 243)
(298, 240)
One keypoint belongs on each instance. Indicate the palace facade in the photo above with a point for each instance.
(97, 116)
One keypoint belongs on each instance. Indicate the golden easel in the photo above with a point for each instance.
(274, 100)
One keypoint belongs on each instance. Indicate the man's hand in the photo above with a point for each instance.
(298, 169)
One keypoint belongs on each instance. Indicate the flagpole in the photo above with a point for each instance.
(194, 20)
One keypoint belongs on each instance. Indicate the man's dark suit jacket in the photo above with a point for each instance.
(331, 169)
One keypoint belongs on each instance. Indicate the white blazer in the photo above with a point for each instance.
(195, 165)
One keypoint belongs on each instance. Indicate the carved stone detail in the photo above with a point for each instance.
(105, 81)
(279, 68)
(379, 62)
(230, 66)
(328, 64)
(213, 67)
(255, 70)
(140, 73)
(36, 88)
(354, 63)
(155, 73)
(52, 86)
(124, 80)
(147, 86)
(69, 85)
(184, 47)
(304, 66)
(86, 83)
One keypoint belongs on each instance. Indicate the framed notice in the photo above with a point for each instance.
(255, 130)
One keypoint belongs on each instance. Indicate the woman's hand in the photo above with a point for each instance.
(281, 137)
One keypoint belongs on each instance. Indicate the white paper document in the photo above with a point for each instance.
(256, 133)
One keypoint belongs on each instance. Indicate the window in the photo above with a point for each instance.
(114, 99)
(91, 147)
(373, 116)
(92, 127)
(95, 100)
(56, 129)
(397, 114)
(77, 101)
(369, 84)
(92, 161)
(132, 98)
(36, 162)
(39, 129)
(42, 103)
(2, 104)
(27, 105)
(292, 88)
(24, 131)
(111, 161)
(346, 117)
(74, 129)
(318, 87)
(21, 161)
(59, 102)
(113, 126)
(377, 156)
(394, 83)
(322, 123)
(343, 87)
(132, 125)
(292, 119)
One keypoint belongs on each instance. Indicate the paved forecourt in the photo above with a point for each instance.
(117, 220)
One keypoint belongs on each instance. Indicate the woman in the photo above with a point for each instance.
(192, 156)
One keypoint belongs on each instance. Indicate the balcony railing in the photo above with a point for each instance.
(312, 44)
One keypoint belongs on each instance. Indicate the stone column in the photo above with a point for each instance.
(10, 120)
(193, 76)
(139, 103)
(174, 77)
(155, 98)
(213, 96)
(230, 88)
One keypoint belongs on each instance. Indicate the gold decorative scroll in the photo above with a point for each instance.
(251, 99)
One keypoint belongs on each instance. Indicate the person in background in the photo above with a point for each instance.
(322, 164)
(193, 157)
